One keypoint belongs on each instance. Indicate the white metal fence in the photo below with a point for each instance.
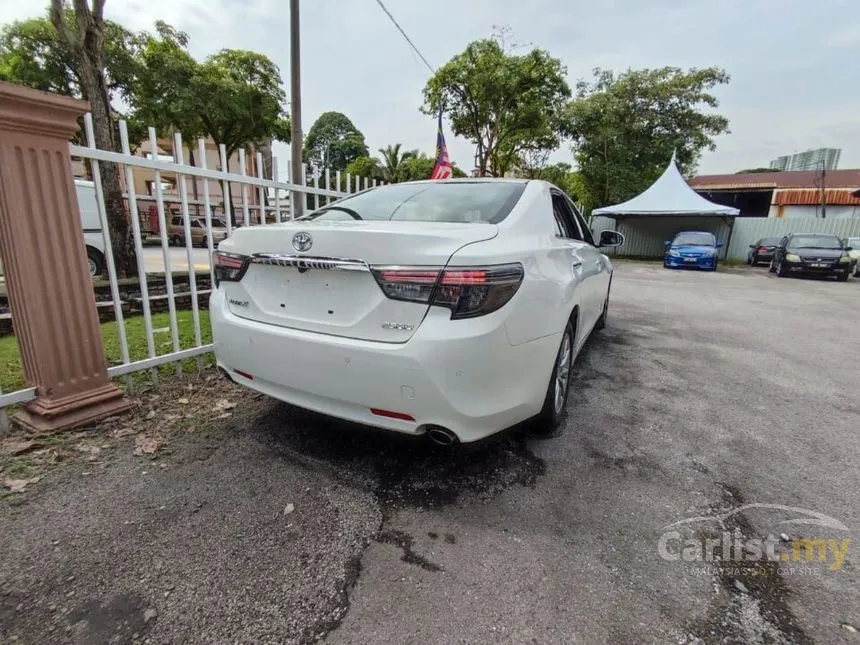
(273, 204)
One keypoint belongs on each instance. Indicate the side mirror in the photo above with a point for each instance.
(667, 243)
(752, 246)
(719, 245)
(849, 248)
(610, 239)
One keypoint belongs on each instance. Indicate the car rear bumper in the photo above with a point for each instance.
(462, 375)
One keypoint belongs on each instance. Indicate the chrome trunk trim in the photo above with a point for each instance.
(308, 262)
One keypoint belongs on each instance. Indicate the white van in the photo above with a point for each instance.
(93, 238)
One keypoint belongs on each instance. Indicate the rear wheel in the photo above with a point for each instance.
(554, 406)
(95, 262)
(753, 260)
(842, 278)
(176, 240)
(772, 267)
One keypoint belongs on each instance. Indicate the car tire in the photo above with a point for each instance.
(753, 261)
(772, 267)
(842, 278)
(780, 271)
(95, 262)
(176, 241)
(554, 408)
(601, 322)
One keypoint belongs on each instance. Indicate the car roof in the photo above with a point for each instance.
(685, 232)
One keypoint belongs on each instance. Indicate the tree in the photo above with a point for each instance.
(333, 142)
(502, 102)
(365, 166)
(84, 40)
(752, 171)
(241, 99)
(392, 162)
(625, 127)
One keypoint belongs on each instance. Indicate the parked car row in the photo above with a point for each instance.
(813, 254)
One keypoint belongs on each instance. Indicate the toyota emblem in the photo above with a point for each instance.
(302, 241)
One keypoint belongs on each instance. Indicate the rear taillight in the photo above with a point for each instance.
(229, 267)
(466, 291)
(762, 249)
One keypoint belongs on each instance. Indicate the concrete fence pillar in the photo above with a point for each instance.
(47, 280)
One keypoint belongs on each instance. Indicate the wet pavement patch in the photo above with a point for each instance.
(402, 471)
(405, 542)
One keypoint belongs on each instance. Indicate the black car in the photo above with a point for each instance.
(812, 255)
(762, 251)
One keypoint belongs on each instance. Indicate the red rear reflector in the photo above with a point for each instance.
(245, 374)
(392, 415)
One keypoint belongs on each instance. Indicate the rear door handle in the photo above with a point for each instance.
(577, 264)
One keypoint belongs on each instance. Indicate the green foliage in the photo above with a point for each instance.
(365, 166)
(502, 102)
(334, 142)
(417, 167)
(625, 127)
(241, 99)
(752, 171)
(392, 162)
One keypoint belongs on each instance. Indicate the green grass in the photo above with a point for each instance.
(12, 374)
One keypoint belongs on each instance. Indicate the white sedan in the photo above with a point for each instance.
(452, 309)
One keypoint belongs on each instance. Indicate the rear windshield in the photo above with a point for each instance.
(815, 242)
(770, 241)
(466, 202)
(694, 239)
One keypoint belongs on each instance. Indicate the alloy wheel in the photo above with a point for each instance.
(562, 372)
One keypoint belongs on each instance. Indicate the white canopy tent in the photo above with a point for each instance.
(669, 195)
(667, 206)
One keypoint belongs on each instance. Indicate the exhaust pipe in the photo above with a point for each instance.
(441, 436)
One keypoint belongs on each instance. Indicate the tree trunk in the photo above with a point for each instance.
(94, 87)
(86, 41)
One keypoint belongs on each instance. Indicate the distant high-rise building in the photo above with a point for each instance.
(809, 160)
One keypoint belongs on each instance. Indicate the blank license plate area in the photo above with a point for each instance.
(317, 295)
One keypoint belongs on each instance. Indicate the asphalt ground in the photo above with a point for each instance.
(708, 394)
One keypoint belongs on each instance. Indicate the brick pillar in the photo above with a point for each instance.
(41, 242)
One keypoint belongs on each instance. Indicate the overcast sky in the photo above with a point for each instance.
(793, 64)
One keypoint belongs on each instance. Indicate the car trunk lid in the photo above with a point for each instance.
(328, 287)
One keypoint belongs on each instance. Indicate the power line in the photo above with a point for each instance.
(408, 40)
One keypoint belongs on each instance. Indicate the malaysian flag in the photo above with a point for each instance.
(443, 168)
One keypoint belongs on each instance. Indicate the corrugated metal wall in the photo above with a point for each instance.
(749, 230)
(645, 237)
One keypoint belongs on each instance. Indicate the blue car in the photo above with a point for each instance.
(695, 249)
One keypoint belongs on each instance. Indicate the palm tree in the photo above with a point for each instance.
(392, 160)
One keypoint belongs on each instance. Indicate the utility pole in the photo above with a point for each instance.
(823, 192)
(297, 199)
